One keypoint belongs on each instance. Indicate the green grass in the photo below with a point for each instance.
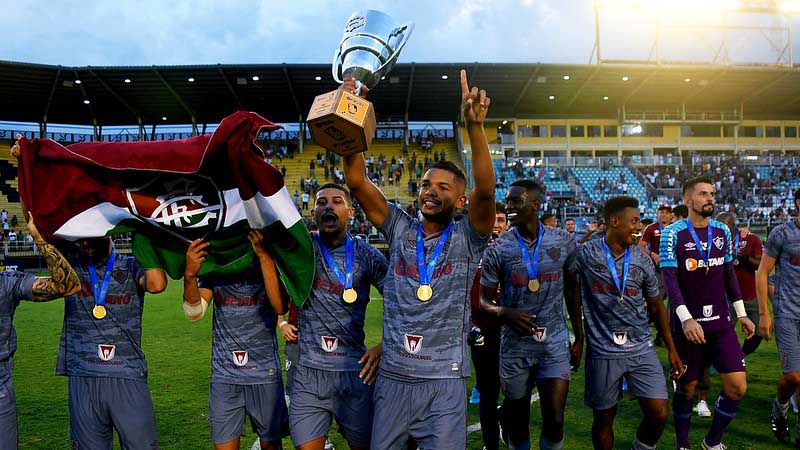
(178, 355)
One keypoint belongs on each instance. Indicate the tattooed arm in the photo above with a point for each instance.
(62, 280)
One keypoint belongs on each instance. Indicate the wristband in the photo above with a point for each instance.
(683, 313)
(195, 312)
(280, 327)
(738, 306)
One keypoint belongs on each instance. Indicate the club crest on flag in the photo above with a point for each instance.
(329, 343)
(189, 206)
(106, 352)
(413, 343)
(620, 337)
(240, 357)
(539, 334)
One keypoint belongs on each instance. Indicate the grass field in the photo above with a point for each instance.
(178, 355)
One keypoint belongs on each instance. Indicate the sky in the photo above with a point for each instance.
(178, 32)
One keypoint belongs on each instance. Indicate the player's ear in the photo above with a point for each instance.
(462, 200)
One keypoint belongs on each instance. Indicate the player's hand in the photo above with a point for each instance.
(349, 85)
(747, 326)
(694, 332)
(520, 322)
(289, 333)
(765, 326)
(195, 256)
(32, 229)
(575, 353)
(656, 258)
(256, 238)
(371, 361)
(676, 365)
(16, 150)
(474, 103)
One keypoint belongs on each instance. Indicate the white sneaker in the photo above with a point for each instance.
(702, 409)
(535, 397)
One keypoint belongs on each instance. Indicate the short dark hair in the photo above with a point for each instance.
(338, 187)
(530, 185)
(452, 168)
(692, 182)
(545, 216)
(797, 195)
(681, 211)
(615, 205)
(569, 219)
(499, 207)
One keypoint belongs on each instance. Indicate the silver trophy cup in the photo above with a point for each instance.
(369, 48)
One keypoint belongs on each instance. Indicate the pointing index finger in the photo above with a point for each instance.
(464, 86)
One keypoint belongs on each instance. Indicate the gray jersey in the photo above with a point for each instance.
(244, 347)
(111, 347)
(14, 286)
(783, 244)
(331, 331)
(503, 265)
(614, 328)
(427, 340)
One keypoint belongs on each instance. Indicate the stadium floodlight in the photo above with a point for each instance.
(566, 77)
(77, 81)
(505, 122)
(255, 78)
(164, 118)
(625, 78)
(637, 129)
(552, 97)
(318, 78)
(687, 80)
(444, 77)
(86, 102)
(190, 79)
(127, 80)
(605, 98)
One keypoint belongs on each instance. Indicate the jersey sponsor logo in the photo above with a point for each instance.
(620, 337)
(106, 352)
(539, 333)
(694, 264)
(657, 233)
(554, 253)
(239, 300)
(719, 242)
(520, 280)
(412, 343)
(402, 268)
(329, 343)
(240, 357)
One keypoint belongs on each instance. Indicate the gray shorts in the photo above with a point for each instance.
(8, 416)
(318, 396)
(100, 405)
(518, 376)
(787, 336)
(263, 403)
(604, 379)
(432, 412)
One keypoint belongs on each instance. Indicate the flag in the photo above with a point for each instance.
(168, 193)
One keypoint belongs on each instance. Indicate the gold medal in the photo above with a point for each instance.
(533, 285)
(424, 292)
(99, 311)
(349, 295)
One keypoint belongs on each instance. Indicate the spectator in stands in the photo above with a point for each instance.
(12, 236)
(283, 171)
(305, 200)
(296, 199)
(400, 163)
(311, 167)
(435, 157)
(327, 171)
(569, 226)
(4, 215)
(442, 157)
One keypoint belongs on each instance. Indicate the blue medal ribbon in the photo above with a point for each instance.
(612, 266)
(704, 254)
(101, 291)
(426, 270)
(345, 278)
(736, 244)
(532, 264)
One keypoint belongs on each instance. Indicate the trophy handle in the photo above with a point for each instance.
(409, 26)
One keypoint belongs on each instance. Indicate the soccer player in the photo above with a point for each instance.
(533, 265)
(420, 392)
(101, 349)
(16, 286)
(569, 225)
(486, 353)
(335, 370)
(697, 265)
(680, 212)
(245, 366)
(621, 293)
(651, 236)
(782, 253)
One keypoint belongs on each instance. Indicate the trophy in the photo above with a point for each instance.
(342, 122)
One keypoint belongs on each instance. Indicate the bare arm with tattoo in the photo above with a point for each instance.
(62, 280)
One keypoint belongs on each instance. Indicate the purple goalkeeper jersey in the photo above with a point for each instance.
(706, 291)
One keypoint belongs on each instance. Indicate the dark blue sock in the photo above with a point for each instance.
(682, 418)
(723, 415)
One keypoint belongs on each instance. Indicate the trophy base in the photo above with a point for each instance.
(342, 122)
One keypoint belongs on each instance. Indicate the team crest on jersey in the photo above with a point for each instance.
(120, 275)
(554, 253)
(539, 334)
(719, 242)
(189, 206)
(708, 310)
(329, 343)
(620, 337)
(106, 352)
(413, 343)
(634, 273)
(240, 357)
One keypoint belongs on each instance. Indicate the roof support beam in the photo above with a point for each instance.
(96, 130)
(525, 88)
(583, 85)
(290, 85)
(50, 98)
(119, 98)
(408, 94)
(230, 88)
(179, 100)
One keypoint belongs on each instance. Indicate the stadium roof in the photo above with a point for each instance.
(283, 92)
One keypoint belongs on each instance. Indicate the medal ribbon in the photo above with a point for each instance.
(532, 264)
(705, 254)
(612, 266)
(346, 278)
(736, 244)
(426, 270)
(101, 291)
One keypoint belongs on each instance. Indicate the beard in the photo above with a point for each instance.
(442, 217)
(703, 212)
